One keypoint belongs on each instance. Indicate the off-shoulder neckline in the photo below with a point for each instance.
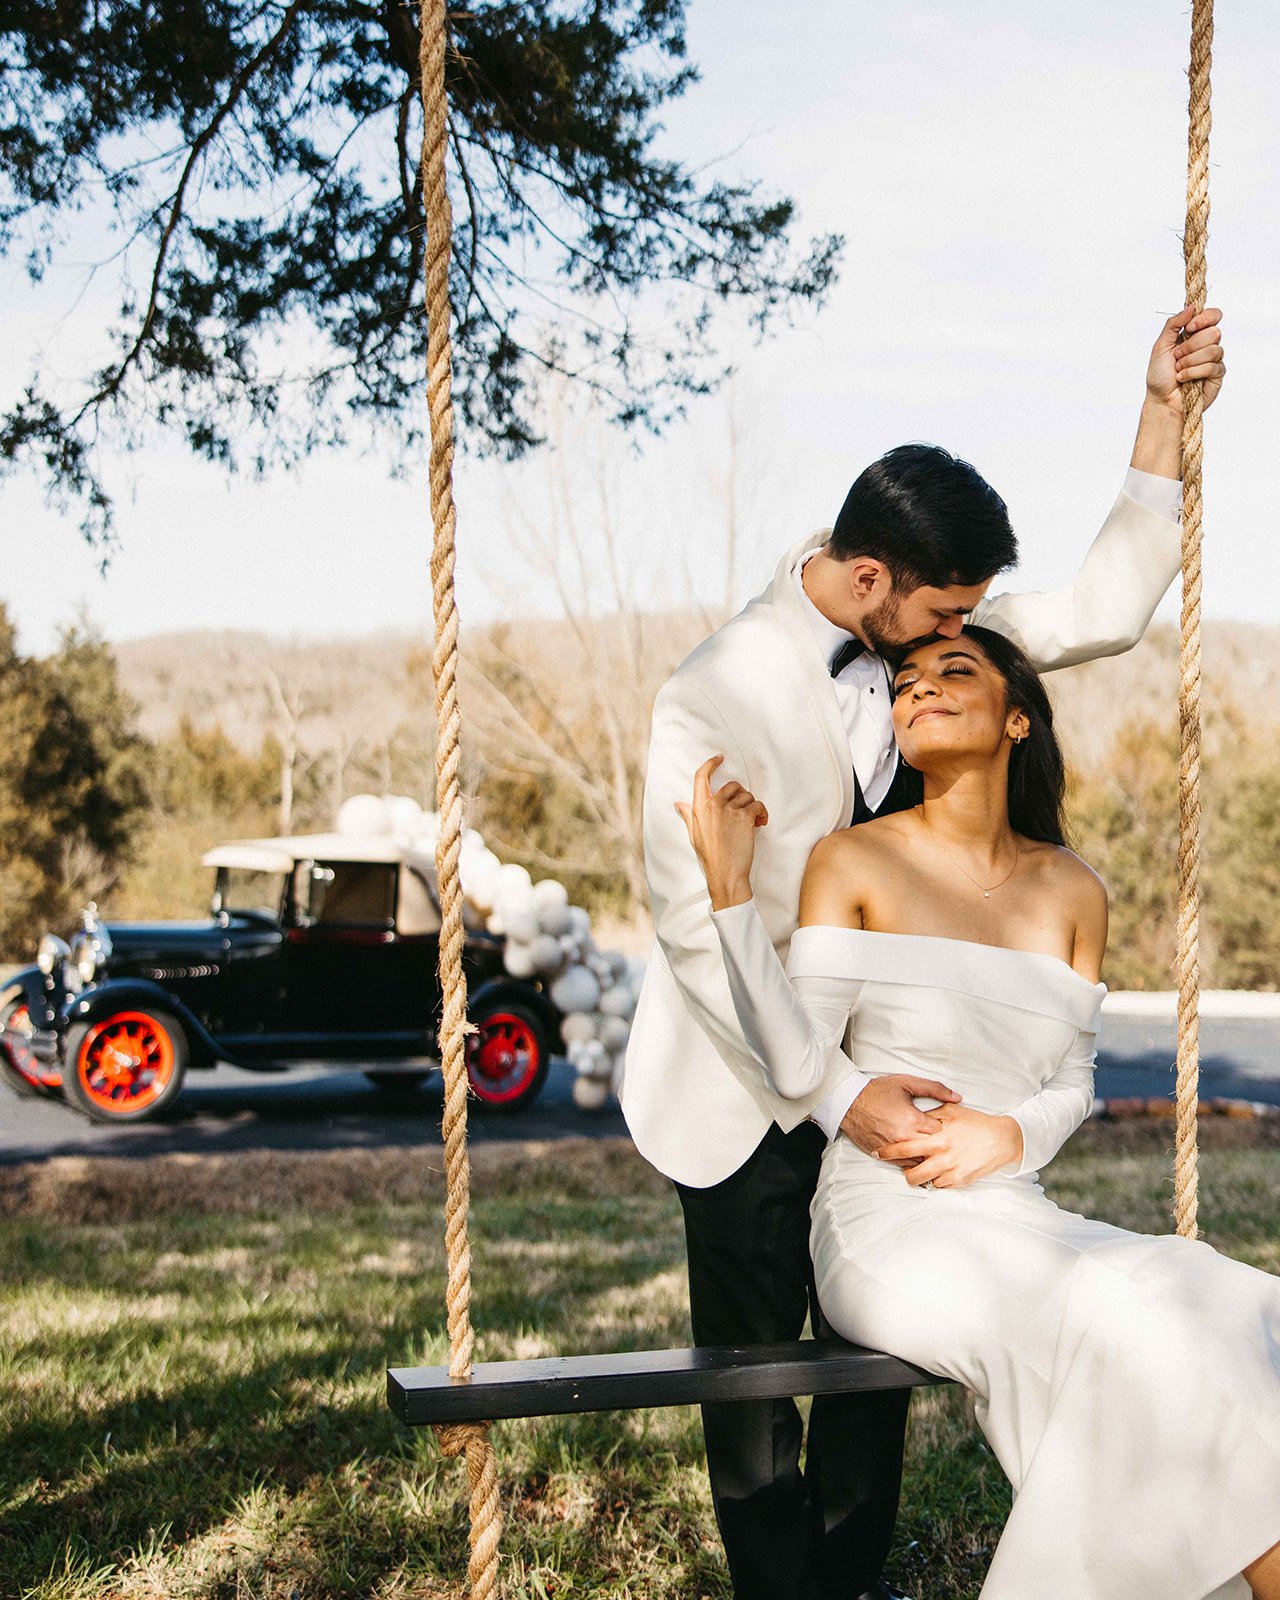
(964, 944)
(983, 970)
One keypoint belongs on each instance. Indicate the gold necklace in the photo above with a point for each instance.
(986, 893)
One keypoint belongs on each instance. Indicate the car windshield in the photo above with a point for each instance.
(244, 890)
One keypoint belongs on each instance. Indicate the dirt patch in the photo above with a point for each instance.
(1146, 1135)
(75, 1189)
(108, 1189)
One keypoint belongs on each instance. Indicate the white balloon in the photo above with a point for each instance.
(554, 919)
(522, 925)
(547, 956)
(576, 989)
(479, 880)
(590, 1094)
(364, 813)
(514, 875)
(550, 893)
(614, 1033)
(618, 1001)
(617, 963)
(594, 1061)
(518, 959)
(635, 972)
(581, 921)
(405, 815)
(429, 829)
(578, 1028)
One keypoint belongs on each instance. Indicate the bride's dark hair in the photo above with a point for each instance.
(1037, 774)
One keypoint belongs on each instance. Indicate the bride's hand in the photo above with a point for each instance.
(722, 829)
(965, 1146)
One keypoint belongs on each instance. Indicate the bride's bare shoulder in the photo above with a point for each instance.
(1068, 873)
(846, 870)
(864, 845)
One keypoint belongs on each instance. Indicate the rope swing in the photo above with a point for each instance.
(471, 1439)
(1194, 242)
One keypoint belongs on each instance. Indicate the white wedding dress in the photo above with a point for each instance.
(1129, 1385)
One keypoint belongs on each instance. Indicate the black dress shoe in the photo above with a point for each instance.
(884, 1591)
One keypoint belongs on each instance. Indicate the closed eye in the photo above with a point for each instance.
(954, 669)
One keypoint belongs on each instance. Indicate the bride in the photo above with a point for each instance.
(1128, 1385)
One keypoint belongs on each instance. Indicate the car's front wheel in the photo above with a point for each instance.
(24, 1072)
(126, 1066)
(507, 1055)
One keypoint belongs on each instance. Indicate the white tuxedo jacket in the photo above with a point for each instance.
(695, 1099)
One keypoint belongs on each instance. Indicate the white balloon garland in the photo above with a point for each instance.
(546, 939)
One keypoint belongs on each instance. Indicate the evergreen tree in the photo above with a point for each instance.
(68, 800)
(257, 168)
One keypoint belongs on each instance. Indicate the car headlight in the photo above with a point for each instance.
(88, 953)
(51, 952)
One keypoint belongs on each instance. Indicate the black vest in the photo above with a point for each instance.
(904, 792)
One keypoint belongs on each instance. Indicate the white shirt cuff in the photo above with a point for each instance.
(1157, 494)
(831, 1112)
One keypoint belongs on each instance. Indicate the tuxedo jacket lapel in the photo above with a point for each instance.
(783, 598)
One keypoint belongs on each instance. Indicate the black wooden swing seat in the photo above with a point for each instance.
(633, 1379)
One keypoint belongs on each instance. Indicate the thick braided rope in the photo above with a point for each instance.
(1195, 239)
(472, 1440)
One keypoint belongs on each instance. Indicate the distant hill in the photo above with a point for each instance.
(367, 687)
(226, 677)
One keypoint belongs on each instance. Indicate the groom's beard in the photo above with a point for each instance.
(881, 630)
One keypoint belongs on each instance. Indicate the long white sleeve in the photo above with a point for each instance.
(1106, 607)
(793, 1026)
(1056, 1110)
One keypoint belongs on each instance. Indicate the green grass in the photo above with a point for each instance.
(192, 1355)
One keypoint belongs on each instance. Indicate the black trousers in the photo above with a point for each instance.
(822, 1534)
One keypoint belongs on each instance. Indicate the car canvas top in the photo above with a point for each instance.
(280, 855)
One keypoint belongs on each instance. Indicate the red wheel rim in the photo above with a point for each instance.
(23, 1059)
(503, 1057)
(126, 1062)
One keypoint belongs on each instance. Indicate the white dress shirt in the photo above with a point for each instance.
(866, 707)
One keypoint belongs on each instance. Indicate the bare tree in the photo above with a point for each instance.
(289, 706)
(563, 705)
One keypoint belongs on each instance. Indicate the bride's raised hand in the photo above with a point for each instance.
(966, 1145)
(722, 827)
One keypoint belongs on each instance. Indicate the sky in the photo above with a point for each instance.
(1010, 178)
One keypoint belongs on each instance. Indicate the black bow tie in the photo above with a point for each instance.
(849, 651)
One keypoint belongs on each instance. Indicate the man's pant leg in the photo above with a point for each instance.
(749, 1273)
(853, 1470)
(751, 1282)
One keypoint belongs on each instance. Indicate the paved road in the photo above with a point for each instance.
(314, 1108)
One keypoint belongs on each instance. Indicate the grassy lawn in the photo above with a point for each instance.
(192, 1354)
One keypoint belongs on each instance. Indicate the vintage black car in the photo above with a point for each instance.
(318, 947)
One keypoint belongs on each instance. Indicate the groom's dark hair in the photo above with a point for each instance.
(929, 517)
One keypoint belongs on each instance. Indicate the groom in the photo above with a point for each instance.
(794, 692)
